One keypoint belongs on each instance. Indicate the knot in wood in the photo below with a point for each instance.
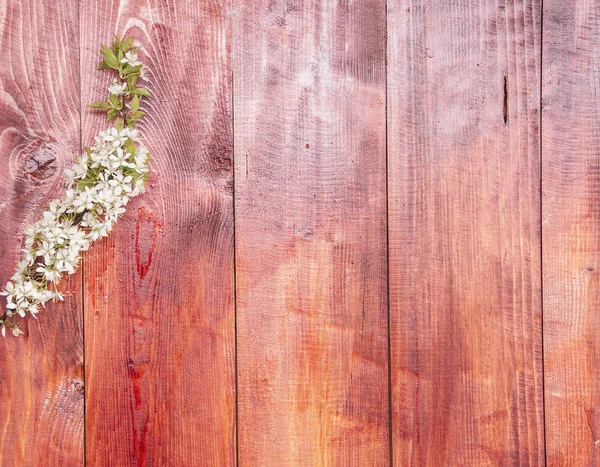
(41, 163)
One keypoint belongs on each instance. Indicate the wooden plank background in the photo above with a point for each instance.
(310, 198)
(371, 236)
(571, 231)
(158, 295)
(41, 376)
(464, 233)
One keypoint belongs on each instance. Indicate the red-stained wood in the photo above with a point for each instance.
(309, 80)
(41, 373)
(463, 158)
(159, 317)
(464, 232)
(571, 231)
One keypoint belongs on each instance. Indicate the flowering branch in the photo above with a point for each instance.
(104, 178)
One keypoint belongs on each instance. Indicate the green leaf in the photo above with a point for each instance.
(131, 80)
(141, 92)
(114, 102)
(119, 123)
(83, 183)
(135, 103)
(127, 43)
(139, 114)
(110, 58)
(103, 66)
(132, 70)
(99, 105)
(130, 146)
(111, 114)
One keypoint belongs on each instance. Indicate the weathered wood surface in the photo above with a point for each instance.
(41, 385)
(305, 91)
(571, 231)
(159, 317)
(309, 81)
(41, 375)
(464, 232)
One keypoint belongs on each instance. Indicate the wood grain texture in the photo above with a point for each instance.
(464, 232)
(41, 377)
(159, 317)
(309, 80)
(571, 231)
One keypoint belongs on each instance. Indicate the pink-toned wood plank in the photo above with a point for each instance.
(41, 376)
(309, 80)
(464, 232)
(159, 317)
(571, 231)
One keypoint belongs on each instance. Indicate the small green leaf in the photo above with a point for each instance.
(110, 58)
(111, 114)
(99, 105)
(130, 146)
(135, 103)
(127, 43)
(131, 80)
(83, 183)
(119, 123)
(114, 102)
(139, 114)
(142, 92)
(103, 66)
(132, 70)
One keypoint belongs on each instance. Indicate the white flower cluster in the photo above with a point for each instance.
(99, 186)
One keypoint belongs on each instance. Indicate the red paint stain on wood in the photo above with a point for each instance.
(146, 232)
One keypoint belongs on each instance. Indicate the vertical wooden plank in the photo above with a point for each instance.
(309, 80)
(41, 377)
(464, 232)
(159, 318)
(571, 231)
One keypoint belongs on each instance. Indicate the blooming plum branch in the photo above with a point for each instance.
(98, 187)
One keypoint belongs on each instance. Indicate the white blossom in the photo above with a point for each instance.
(99, 186)
(117, 87)
(131, 59)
